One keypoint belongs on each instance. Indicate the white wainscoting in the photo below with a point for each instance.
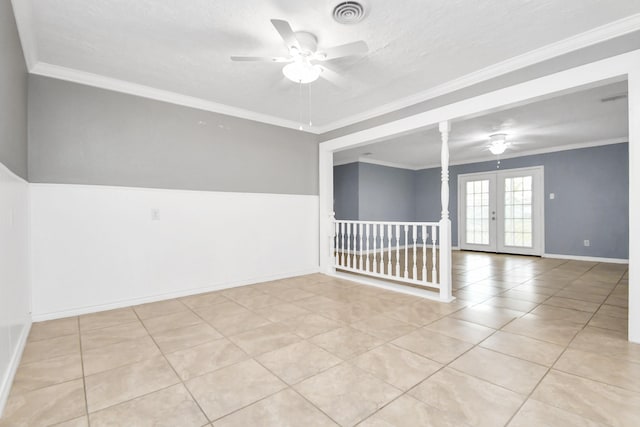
(98, 247)
(15, 296)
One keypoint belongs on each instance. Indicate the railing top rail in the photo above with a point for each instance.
(387, 222)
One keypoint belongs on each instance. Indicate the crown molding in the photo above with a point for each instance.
(387, 164)
(488, 157)
(116, 85)
(594, 36)
(375, 162)
(24, 22)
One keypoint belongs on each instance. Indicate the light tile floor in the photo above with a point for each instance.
(528, 342)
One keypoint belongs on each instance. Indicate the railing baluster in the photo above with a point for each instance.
(349, 228)
(424, 253)
(414, 233)
(360, 235)
(434, 269)
(342, 238)
(376, 266)
(336, 240)
(406, 252)
(354, 249)
(389, 248)
(367, 239)
(397, 251)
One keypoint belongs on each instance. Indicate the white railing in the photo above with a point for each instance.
(400, 251)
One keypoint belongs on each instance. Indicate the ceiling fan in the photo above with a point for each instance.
(304, 53)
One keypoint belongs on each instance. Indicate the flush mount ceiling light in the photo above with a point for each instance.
(302, 71)
(498, 143)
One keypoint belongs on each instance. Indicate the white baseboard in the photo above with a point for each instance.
(7, 381)
(390, 286)
(160, 297)
(587, 258)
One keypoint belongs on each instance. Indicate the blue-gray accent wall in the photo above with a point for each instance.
(345, 191)
(386, 193)
(373, 192)
(591, 187)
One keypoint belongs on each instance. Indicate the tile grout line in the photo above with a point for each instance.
(84, 378)
(385, 342)
(172, 368)
(558, 358)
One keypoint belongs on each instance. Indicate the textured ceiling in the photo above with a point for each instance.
(184, 46)
(558, 123)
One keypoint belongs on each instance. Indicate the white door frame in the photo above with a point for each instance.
(462, 211)
(616, 68)
(538, 198)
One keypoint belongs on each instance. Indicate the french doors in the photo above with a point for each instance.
(502, 211)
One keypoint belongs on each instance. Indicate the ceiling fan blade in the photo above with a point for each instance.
(287, 34)
(260, 59)
(349, 49)
(333, 77)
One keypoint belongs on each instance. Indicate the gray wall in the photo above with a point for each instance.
(13, 95)
(385, 193)
(591, 187)
(363, 191)
(83, 135)
(345, 191)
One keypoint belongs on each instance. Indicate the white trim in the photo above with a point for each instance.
(7, 381)
(385, 163)
(4, 168)
(586, 258)
(376, 162)
(594, 36)
(390, 286)
(634, 203)
(161, 297)
(490, 157)
(116, 85)
(24, 22)
(610, 69)
(517, 154)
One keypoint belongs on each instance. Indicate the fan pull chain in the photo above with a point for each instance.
(309, 104)
(300, 104)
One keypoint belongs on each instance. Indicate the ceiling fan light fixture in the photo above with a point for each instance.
(302, 71)
(498, 143)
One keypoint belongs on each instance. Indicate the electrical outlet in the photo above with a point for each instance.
(155, 214)
(587, 243)
(552, 196)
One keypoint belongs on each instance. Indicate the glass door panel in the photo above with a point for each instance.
(518, 204)
(502, 211)
(478, 213)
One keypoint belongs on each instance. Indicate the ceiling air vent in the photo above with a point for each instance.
(348, 12)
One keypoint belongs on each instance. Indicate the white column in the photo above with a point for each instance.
(326, 211)
(445, 222)
(634, 205)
